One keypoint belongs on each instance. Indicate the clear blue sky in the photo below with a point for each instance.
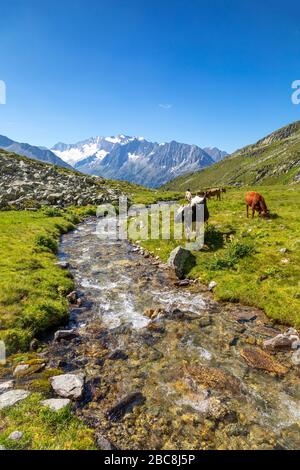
(222, 69)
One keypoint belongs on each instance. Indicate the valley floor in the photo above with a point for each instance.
(253, 262)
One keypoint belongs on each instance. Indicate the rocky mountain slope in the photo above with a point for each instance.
(275, 159)
(25, 183)
(216, 154)
(135, 159)
(37, 153)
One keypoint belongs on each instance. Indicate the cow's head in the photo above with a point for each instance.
(265, 214)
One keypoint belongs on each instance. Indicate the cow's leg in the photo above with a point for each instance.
(253, 210)
(247, 211)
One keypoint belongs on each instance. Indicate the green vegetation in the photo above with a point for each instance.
(243, 256)
(43, 428)
(140, 195)
(33, 288)
(273, 160)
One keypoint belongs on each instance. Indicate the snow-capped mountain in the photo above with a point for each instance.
(134, 159)
(97, 147)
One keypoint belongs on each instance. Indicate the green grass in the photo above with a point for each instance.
(43, 428)
(32, 288)
(141, 195)
(243, 256)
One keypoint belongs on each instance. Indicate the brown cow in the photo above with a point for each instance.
(214, 192)
(257, 203)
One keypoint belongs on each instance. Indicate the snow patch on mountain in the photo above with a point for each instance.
(135, 159)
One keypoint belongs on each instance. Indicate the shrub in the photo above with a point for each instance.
(44, 241)
(236, 251)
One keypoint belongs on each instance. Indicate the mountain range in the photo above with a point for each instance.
(274, 159)
(135, 159)
(37, 153)
(121, 157)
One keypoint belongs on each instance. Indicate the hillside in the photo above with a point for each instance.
(275, 159)
(26, 183)
(31, 151)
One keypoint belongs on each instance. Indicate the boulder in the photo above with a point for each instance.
(64, 334)
(12, 397)
(181, 260)
(23, 370)
(214, 378)
(68, 385)
(20, 370)
(259, 359)
(288, 340)
(244, 315)
(5, 386)
(56, 404)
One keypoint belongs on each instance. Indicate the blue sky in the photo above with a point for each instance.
(209, 73)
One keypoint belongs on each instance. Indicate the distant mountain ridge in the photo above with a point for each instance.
(135, 159)
(37, 153)
(274, 159)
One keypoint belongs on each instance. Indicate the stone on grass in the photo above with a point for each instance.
(12, 397)
(181, 260)
(212, 285)
(20, 370)
(68, 385)
(16, 435)
(2, 447)
(56, 404)
(5, 386)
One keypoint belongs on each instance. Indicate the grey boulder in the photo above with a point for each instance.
(12, 397)
(68, 385)
(181, 260)
(287, 340)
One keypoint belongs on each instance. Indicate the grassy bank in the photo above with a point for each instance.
(244, 257)
(44, 429)
(33, 288)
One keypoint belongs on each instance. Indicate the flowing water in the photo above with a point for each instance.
(178, 380)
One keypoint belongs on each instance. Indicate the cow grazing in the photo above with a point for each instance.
(257, 203)
(214, 192)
